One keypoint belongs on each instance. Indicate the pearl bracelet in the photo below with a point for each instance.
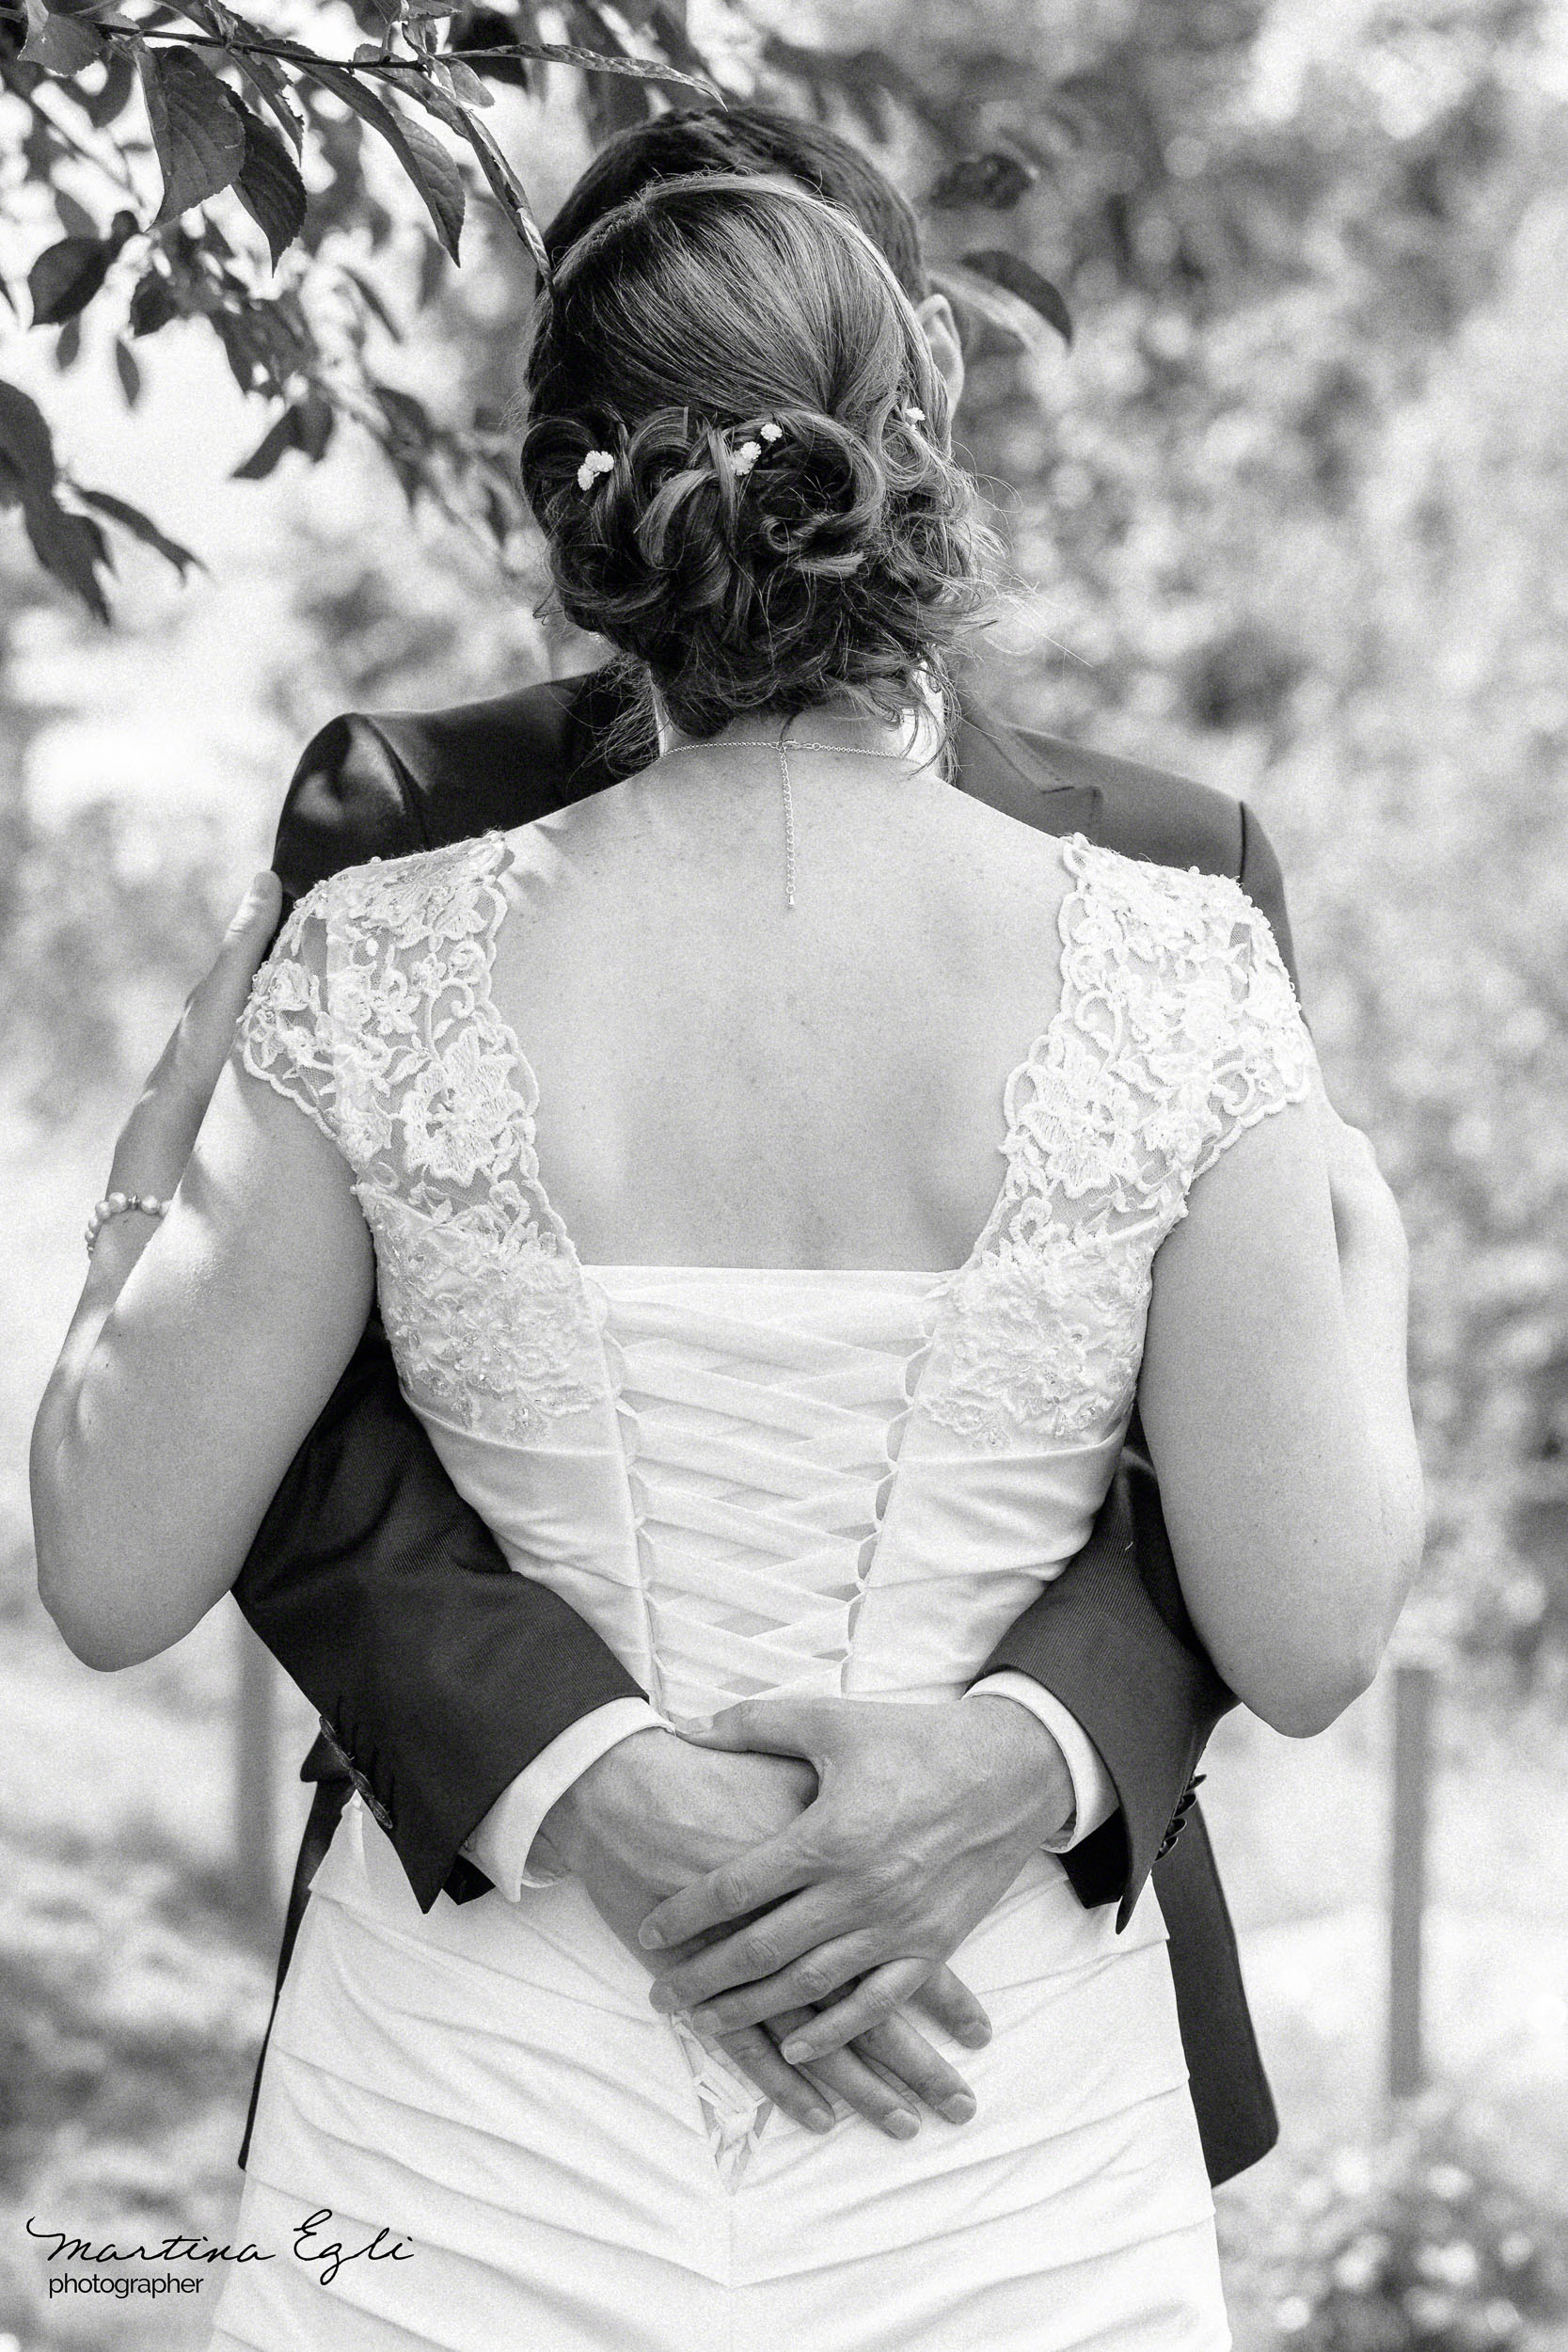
(118, 1204)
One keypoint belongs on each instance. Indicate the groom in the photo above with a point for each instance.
(487, 1728)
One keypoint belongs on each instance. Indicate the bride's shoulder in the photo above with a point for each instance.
(1174, 906)
(420, 895)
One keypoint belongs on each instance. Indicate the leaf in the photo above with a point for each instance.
(68, 345)
(27, 441)
(432, 270)
(277, 439)
(75, 219)
(492, 38)
(431, 170)
(269, 185)
(71, 546)
(129, 373)
(314, 419)
(267, 79)
(61, 45)
(153, 305)
(1019, 279)
(196, 128)
(510, 194)
(306, 425)
(996, 178)
(65, 278)
(590, 62)
(465, 83)
(408, 417)
(142, 527)
(373, 303)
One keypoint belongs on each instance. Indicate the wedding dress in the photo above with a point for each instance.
(747, 1481)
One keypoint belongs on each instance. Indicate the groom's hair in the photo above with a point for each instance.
(747, 140)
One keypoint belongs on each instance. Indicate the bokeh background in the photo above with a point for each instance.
(1291, 516)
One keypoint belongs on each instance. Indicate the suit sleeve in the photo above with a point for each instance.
(1111, 1639)
(439, 1673)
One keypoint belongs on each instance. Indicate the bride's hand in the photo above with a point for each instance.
(657, 1811)
(924, 1816)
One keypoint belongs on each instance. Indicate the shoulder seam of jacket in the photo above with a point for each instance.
(409, 798)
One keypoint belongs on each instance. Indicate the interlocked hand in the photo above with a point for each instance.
(924, 1816)
(655, 1813)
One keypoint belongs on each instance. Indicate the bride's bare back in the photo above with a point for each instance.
(727, 1081)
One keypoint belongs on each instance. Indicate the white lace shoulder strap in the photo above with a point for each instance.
(375, 1015)
(284, 1033)
(1178, 1029)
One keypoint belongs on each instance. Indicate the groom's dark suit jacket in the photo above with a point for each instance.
(439, 1675)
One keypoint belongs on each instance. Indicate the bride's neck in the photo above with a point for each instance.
(824, 728)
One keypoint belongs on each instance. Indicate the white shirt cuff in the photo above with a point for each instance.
(503, 1842)
(1094, 1792)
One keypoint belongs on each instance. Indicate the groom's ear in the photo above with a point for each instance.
(942, 332)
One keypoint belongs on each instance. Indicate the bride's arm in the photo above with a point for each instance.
(1288, 1465)
(200, 1354)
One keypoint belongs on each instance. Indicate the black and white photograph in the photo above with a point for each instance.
(783, 1176)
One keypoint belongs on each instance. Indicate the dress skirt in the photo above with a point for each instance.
(513, 2153)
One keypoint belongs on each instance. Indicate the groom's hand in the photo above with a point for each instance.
(924, 1816)
(657, 1811)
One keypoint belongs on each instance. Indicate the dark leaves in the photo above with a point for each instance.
(129, 372)
(997, 179)
(26, 438)
(65, 276)
(487, 30)
(269, 186)
(429, 166)
(306, 425)
(196, 129)
(142, 527)
(1019, 279)
(72, 548)
(69, 545)
(61, 45)
(153, 305)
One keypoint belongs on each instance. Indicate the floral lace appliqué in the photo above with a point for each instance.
(375, 1015)
(1178, 1029)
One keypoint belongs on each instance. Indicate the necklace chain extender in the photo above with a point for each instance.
(760, 743)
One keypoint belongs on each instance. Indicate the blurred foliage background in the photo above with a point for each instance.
(1291, 516)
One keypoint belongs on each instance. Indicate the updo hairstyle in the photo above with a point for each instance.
(772, 518)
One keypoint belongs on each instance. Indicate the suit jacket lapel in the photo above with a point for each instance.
(1001, 768)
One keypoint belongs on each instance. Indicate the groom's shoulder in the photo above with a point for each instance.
(1143, 812)
(387, 784)
(1126, 804)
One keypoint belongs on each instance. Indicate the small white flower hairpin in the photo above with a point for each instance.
(597, 461)
(747, 454)
(911, 414)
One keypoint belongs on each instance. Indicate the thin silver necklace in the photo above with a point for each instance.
(761, 743)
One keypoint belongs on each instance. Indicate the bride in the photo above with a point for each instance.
(778, 1175)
